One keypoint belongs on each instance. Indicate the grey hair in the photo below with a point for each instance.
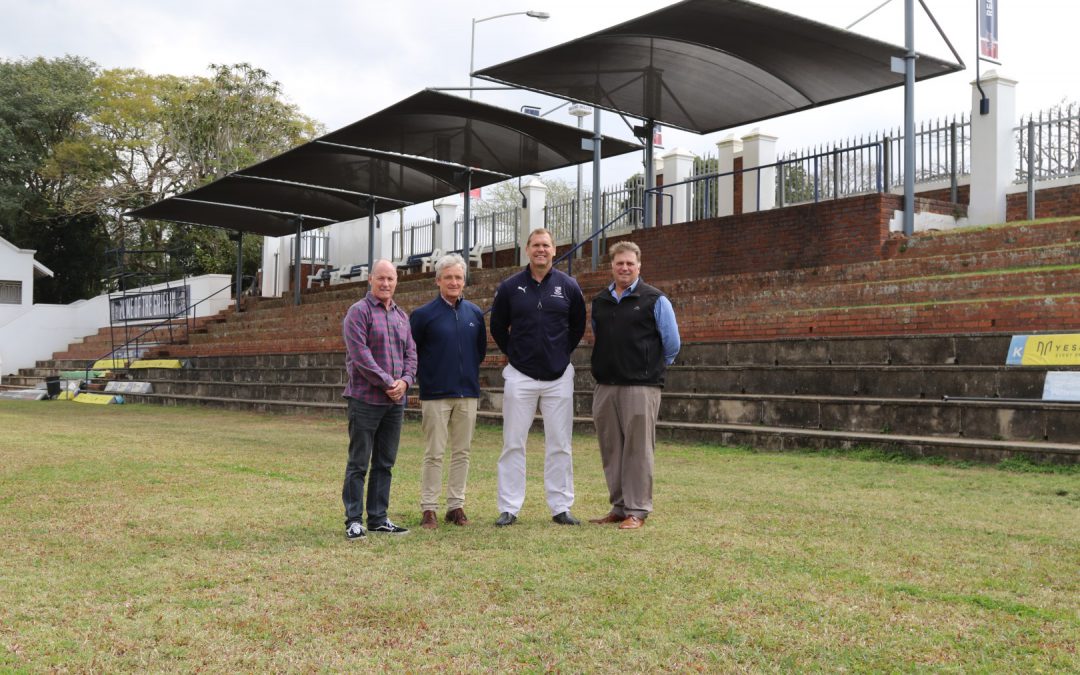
(448, 260)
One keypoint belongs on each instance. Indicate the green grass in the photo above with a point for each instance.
(139, 538)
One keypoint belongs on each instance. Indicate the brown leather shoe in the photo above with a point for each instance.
(608, 519)
(429, 521)
(457, 517)
(632, 523)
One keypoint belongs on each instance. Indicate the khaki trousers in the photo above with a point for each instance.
(625, 420)
(446, 422)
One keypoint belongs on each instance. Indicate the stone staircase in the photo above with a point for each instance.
(860, 354)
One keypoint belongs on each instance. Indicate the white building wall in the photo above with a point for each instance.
(38, 331)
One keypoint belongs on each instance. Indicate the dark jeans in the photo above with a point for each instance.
(374, 431)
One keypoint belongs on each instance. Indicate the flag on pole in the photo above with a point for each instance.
(475, 193)
(988, 29)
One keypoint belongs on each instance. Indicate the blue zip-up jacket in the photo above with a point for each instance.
(538, 324)
(450, 344)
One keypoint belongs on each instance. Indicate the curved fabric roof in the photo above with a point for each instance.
(424, 147)
(707, 65)
(461, 130)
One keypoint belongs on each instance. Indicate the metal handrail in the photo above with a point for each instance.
(569, 255)
(170, 319)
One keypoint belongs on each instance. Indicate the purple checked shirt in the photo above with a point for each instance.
(379, 349)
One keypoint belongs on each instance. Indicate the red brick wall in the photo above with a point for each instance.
(1049, 203)
(808, 235)
(963, 194)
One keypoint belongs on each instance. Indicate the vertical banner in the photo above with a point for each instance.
(988, 29)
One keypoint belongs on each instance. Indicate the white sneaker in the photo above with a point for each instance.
(355, 530)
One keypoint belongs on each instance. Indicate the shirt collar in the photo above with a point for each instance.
(615, 294)
(370, 297)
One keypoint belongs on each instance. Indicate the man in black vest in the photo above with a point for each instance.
(637, 337)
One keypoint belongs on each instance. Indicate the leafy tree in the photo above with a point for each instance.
(505, 196)
(80, 147)
(50, 159)
(233, 119)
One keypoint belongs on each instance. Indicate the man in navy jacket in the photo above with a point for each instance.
(451, 341)
(538, 319)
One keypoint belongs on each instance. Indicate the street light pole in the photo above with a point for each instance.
(532, 14)
(580, 112)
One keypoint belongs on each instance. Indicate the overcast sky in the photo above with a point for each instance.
(340, 60)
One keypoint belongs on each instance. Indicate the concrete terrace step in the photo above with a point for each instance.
(1060, 313)
(1012, 235)
(769, 438)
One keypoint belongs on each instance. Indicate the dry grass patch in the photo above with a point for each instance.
(143, 538)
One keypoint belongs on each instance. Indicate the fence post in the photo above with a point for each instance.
(1031, 169)
(780, 184)
(836, 173)
(954, 190)
(886, 163)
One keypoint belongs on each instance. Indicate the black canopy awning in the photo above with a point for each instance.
(708, 65)
(464, 131)
(425, 147)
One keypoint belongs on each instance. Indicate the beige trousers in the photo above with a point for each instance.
(625, 420)
(447, 422)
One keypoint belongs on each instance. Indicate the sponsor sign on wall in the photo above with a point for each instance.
(1044, 350)
(161, 304)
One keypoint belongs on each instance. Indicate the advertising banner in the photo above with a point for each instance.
(988, 29)
(1044, 350)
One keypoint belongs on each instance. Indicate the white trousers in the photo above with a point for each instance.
(521, 394)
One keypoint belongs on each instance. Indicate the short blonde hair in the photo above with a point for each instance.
(624, 246)
(540, 230)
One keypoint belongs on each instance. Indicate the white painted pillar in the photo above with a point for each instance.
(269, 265)
(758, 149)
(385, 225)
(726, 150)
(678, 166)
(532, 216)
(443, 238)
(993, 150)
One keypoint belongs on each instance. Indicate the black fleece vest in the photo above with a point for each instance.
(628, 350)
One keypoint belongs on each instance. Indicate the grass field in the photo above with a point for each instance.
(138, 538)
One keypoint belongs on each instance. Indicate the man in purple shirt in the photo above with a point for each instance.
(380, 359)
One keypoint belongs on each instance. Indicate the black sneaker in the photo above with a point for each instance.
(390, 528)
(355, 531)
(505, 518)
(565, 518)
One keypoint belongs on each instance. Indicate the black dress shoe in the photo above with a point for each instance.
(505, 518)
(565, 518)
